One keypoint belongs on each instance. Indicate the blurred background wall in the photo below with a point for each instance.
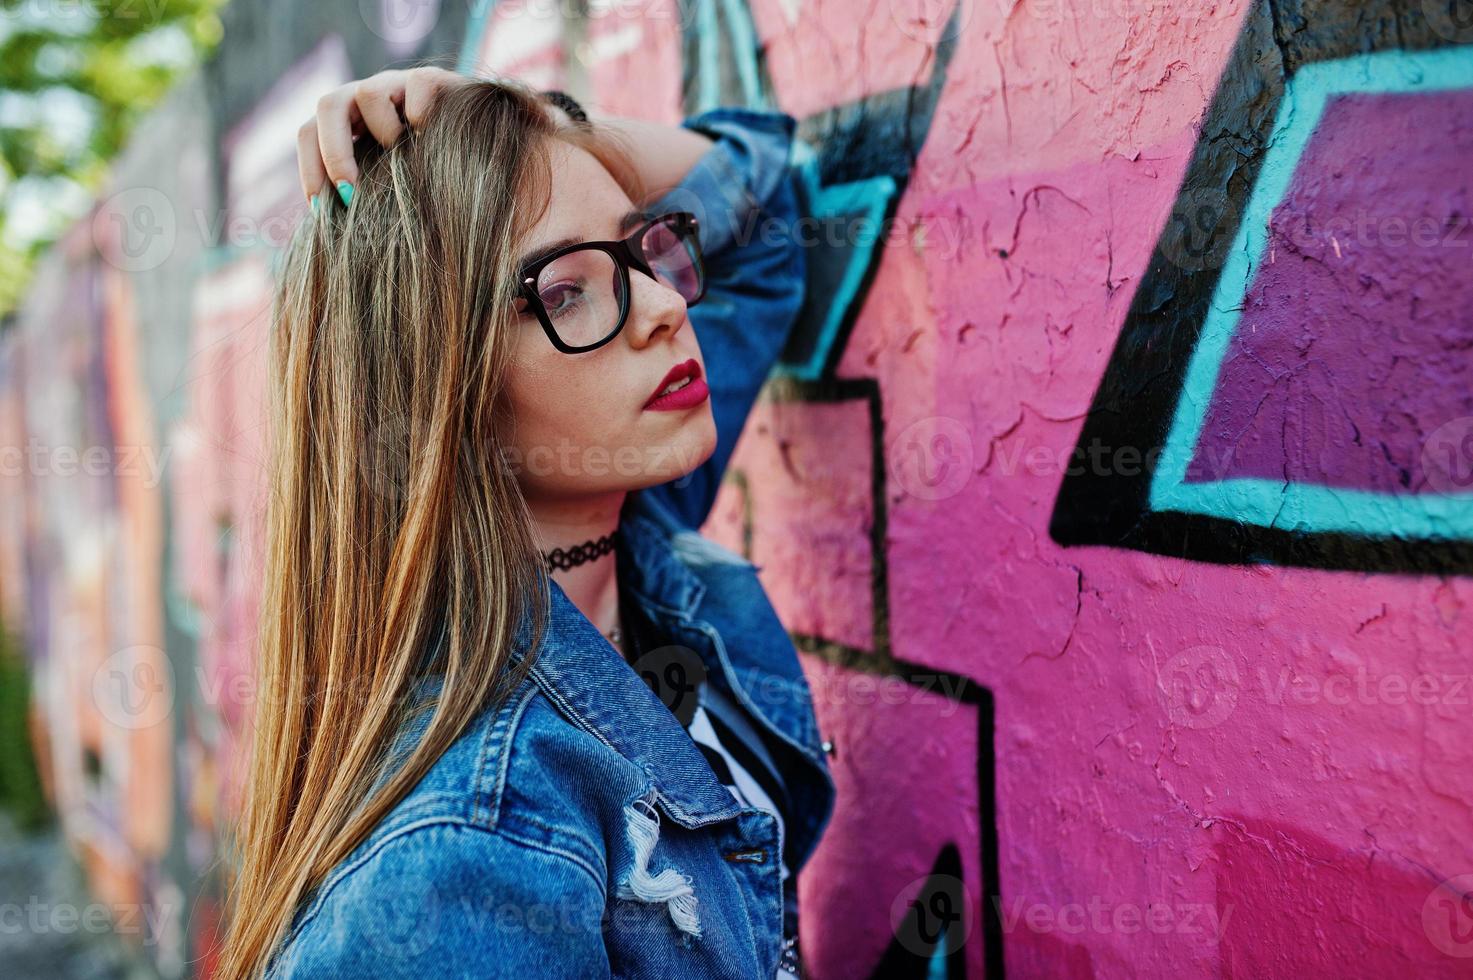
(1115, 486)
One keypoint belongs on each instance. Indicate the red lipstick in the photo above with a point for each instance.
(692, 394)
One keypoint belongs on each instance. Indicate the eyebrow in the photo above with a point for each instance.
(627, 222)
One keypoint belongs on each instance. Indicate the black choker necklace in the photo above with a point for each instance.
(566, 558)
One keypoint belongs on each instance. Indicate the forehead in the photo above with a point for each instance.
(585, 202)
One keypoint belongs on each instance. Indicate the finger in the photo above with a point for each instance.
(378, 103)
(421, 87)
(337, 113)
(309, 159)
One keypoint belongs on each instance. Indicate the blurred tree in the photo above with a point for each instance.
(20, 785)
(75, 76)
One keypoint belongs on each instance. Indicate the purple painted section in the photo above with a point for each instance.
(1356, 338)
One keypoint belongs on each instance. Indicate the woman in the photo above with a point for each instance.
(517, 716)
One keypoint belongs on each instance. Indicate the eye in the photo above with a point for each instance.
(561, 298)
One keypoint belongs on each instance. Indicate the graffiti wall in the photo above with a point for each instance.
(1116, 484)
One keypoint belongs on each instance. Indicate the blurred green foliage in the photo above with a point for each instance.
(75, 77)
(20, 786)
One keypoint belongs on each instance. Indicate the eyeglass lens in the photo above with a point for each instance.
(672, 258)
(582, 291)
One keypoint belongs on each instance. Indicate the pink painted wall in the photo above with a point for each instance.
(1201, 769)
(1090, 736)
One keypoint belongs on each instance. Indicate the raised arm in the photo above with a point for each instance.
(732, 167)
(747, 195)
(382, 104)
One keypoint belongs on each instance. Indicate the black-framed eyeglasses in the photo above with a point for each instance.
(580, 293)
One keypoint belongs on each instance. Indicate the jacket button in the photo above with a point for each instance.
(828, 747)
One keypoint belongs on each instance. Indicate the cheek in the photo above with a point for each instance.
(558, 398)
(532, 394)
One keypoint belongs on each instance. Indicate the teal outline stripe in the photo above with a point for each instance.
(872, 196)
(1271, 503)
(475, 26)
(708, 56)
(743, 37)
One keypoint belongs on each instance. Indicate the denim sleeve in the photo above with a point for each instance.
(748, 197)
(453, 900)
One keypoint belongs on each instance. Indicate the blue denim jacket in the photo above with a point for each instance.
(576, 830)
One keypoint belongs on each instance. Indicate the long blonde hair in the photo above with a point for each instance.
(393, 526)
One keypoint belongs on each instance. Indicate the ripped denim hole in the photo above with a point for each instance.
(669, 887)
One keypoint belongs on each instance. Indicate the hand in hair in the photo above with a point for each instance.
(381, 104)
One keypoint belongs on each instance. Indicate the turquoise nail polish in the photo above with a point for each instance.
(345, 191)
(313, 199)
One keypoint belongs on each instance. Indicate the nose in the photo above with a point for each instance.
(654, 309)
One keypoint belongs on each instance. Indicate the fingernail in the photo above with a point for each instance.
(313, 199)
(345, 191)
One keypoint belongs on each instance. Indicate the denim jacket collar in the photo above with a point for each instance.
(581, 672)
(668, 589)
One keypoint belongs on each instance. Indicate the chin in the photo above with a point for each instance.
(687, 452)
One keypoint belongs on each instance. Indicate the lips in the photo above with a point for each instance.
(688, 368)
